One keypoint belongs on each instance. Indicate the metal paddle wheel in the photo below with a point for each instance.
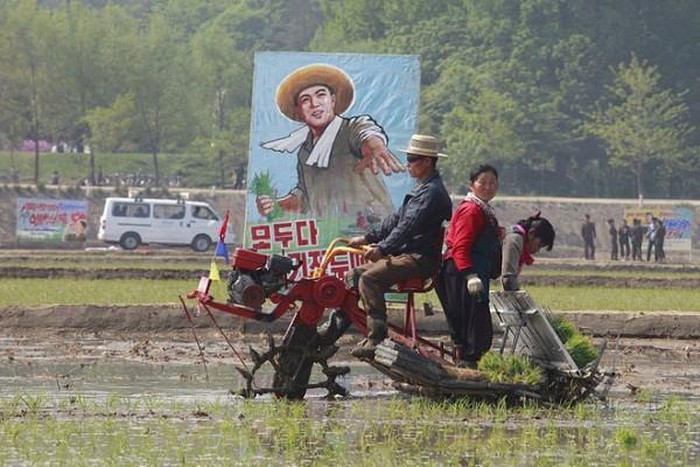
(255, 278)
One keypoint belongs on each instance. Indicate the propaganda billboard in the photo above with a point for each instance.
(677, 221)
(51, 220)
(325, 160)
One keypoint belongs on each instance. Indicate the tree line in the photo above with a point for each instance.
(576, 98)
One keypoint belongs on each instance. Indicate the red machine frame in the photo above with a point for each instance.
(321, 292)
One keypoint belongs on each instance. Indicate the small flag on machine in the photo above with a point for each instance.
(221, 248)
(214, 271)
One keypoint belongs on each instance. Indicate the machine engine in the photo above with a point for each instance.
(255, 276)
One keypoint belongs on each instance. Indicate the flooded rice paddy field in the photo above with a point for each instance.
(98, 398)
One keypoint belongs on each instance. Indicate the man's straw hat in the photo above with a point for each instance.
(423, 145)
(314, 75)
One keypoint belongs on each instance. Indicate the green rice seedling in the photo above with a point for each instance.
(644, 396)
(593, 272)
(522, 370)
(501, 411)
(528, 409)
(33, 404)
(29, 292)
(515, 369)
(581, 349)
(10, 406)
(98, 263)
(82, 403)
(108, 292)
(492, 364)
(626, 438)
(582, 411)
(656, 449)
(358, 432)
(262, 186)
(670, 405)
(481, 409)
(112, 403)
(564, 328)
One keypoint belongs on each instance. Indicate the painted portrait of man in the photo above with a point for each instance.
(344, 173)
(338, 158)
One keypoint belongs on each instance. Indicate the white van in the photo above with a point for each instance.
(135, 221)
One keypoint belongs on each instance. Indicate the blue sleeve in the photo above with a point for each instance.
(414, 212)
(381, 231)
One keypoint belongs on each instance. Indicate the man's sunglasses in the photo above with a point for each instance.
(410, 158)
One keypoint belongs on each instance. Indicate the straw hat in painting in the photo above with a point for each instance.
(314, 75)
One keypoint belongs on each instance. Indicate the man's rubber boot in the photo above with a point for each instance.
(377, 332)
(365, 350)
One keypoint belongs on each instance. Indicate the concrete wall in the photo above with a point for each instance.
(566, 214)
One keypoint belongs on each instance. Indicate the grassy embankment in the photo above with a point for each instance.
(185, 259)
(34, 292)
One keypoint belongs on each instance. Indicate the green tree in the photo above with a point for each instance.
(640, 122)
(159, 80)
(483, 130)
(30, 34)
(14, 121)
(223, 86)
(292, 23)
(78, 44)
(113, 128)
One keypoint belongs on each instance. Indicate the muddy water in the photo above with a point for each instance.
(170, 366)
(96, 367)
(171, 410)
(184, 382)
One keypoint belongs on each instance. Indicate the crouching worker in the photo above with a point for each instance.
(407, 244)
(524, 239)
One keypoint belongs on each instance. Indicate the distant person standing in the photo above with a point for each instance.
(624, 237)
(613, 239)
(54, 177)
(651, 238)
(588, 234)
(638, 231)
(659, 253)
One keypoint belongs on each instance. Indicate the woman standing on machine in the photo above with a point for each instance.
(473, 241)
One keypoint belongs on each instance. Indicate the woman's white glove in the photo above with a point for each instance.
(474, 284)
